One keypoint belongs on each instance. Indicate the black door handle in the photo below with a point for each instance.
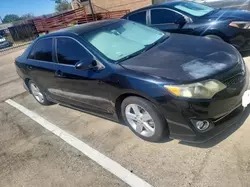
(59, 73)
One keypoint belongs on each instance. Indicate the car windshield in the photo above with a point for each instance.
(123, 39)
(194, 9)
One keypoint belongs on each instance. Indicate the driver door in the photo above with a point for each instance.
(84, 89)
(169, 21)
(165, 20)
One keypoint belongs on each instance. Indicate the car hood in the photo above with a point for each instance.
(238, 15)
(185, 58)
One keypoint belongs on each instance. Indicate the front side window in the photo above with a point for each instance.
(164, 16)
(122, 39)
(139, 17)
(42, 50)
(70, 52)
(194, 9)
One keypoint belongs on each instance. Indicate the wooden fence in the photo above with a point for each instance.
(72, 17)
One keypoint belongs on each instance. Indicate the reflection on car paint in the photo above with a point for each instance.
(76, 95)
(199, 68)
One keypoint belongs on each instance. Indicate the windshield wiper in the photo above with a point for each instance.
(155, 43)
(131, 55)
(144, 50)
(217, 10)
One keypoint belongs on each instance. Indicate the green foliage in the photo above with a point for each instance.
(27, 16)
(62, 5)
(10, 18)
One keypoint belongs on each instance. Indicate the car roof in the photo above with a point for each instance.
(167, 4)
(81, 29)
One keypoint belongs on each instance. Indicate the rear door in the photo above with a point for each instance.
(81, 88)
(40, 66)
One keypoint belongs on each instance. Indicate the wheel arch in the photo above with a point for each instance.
(26, 82)
(216, 33)
(123, 96)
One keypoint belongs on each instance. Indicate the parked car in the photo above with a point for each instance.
(4, 43)
(159, 84)
(236, 4)
(232, 26)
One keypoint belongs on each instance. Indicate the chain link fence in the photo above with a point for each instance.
(17, 36)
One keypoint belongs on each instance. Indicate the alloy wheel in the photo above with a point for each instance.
(140, 120)
(36, 93)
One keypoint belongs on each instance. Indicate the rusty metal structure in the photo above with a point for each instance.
(73, 17)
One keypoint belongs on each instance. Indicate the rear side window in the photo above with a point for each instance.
(164, 16)
(70, 52)
(42, 50)
(139, 17)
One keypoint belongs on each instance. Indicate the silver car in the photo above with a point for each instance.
(4, 43)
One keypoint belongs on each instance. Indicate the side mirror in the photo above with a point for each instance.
(82, 65)
(181, 21)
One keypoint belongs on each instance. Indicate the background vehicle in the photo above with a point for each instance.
(4, 43)
(232, 26)
(159, 84)
(236, 4)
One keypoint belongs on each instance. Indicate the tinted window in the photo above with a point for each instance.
(70, 52)
(161, 16)
(42, 50)
(138, 17)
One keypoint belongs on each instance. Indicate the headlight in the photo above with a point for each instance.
(240, 24)
(201, 90)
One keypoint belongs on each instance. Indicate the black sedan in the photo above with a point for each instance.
(159, 84)
(232, 26)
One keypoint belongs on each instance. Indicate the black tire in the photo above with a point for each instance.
(45, 101)
(160, 125)
(214, 37)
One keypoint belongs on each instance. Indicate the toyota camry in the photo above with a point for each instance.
(159, 84)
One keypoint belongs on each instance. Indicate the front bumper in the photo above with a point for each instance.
(241, 41)
(195, 137)
(222, 112)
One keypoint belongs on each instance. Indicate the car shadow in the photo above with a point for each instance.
(239, 121)
(245, 54)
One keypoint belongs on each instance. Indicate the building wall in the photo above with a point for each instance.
(159, 1)
(113, 5)
(75, 4)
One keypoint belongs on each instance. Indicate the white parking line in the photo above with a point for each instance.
(110, 165)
